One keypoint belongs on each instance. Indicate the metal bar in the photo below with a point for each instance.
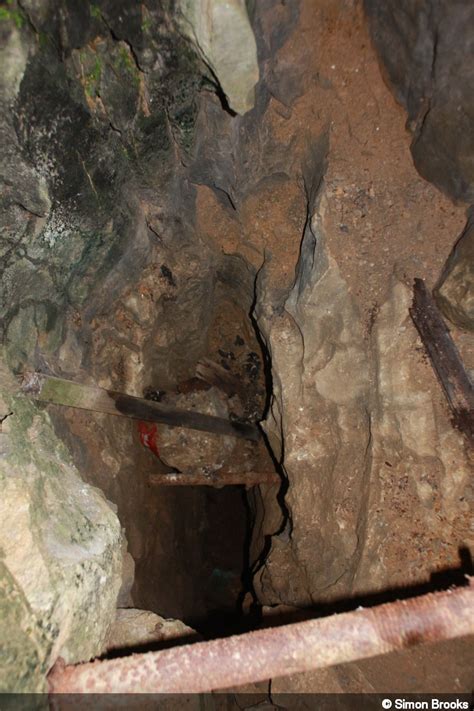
(444, 358)
(201, 477)
(85, 397)
(278, 651)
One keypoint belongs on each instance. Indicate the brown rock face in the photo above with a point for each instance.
(147, 230)
(427, 54)
(376, 490)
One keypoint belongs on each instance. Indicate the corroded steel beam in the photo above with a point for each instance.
(200, 477)
(278, 651)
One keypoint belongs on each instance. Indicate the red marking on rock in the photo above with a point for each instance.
(149, 436)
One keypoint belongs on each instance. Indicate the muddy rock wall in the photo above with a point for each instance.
(153, 213)
(426, 51)
(376, 491)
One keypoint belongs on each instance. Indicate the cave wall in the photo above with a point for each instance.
(60, 550)
(377, 493)
(90, 144)
(137, 210)
(106, 280)
(426, 50)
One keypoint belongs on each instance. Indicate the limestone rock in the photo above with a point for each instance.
(60, 549)
(378, 489)
(135, 628)
(319, 409)
(69, 176)
(221, 31)
(420, 496)
(455, 292)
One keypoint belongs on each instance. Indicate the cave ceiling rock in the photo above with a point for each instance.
(221, 32)
(60, 552)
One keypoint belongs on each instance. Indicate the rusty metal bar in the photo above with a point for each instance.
(200, 477)
(278, 651)
(444, 358)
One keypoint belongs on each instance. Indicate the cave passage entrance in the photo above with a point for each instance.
(189, 544)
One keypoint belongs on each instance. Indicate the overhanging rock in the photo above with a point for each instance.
(223, 36)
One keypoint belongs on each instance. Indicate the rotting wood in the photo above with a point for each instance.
(444, 358)
(200, 476)
(85, 397)
(278, 651)
(216, 375)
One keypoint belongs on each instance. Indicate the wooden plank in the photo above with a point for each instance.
(444, 357)
(201, 477)
(85, 397)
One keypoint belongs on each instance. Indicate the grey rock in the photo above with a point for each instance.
(455, 290)
(318, 426)
(60, 548)
(222, 34)
(420, 471)
(427, 50)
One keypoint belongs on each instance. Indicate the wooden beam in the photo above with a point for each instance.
(445, 358)
(85, 397)
(199, 476)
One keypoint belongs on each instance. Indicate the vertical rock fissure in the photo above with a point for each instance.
(285, 525)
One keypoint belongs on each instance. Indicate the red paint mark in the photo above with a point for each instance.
(149, 436)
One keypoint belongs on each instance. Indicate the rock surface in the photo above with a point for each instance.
(357, 422)
(143, 224)
(420, 497)
(60, 549)
(319, 419)
(105, 278)
(455, 290)
(427, 52)
(221, 32)
(137, 628)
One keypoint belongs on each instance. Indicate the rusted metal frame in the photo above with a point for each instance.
(444, 358)
(199, 476)
(85, 397)
(278, 651)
